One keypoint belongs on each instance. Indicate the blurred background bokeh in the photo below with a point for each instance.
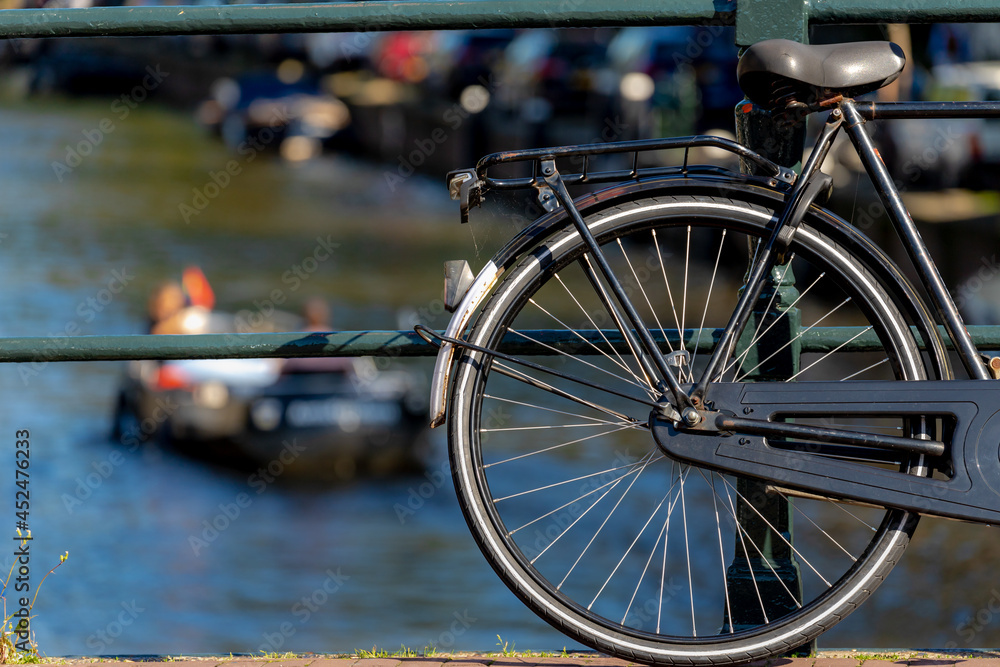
(294, 167)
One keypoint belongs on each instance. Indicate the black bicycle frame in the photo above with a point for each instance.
(854, 116)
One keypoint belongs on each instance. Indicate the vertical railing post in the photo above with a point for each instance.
(761, 578)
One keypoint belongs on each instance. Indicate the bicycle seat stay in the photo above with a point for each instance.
(778, 72)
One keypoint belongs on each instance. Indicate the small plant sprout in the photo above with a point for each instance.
(506, 648)
(17, 643)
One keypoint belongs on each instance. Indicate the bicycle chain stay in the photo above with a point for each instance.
(968, 412)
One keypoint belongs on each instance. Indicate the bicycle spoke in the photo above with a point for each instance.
(757, 337)
(708, 300)
(648, 377)
(741, 538)
(649, 560)
(621, 362)
(517, 374)
(865, 370)
(778, 533)
(833, 351)
(718, 530)
(687, 557)
(601, 527)
(547, 409)
(817, 526)
(663, 568)
(565, 505)
(562, 483)
(684, 296)
(629, 550)
(559, 446)
(797, 336)
(841, 507)
(770, 302)
(548, 427)
(656, 318)
(576, 521)
(576, 357)
(666, 283)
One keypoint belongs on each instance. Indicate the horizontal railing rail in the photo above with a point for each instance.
(354, 16)
(396, 344)
(470, 14)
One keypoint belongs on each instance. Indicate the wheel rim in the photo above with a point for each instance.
(575, 505)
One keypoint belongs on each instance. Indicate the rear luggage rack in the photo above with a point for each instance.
(470, 185)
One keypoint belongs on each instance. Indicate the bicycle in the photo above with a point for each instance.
(616, 384)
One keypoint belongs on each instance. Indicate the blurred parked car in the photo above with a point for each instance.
(556, 76)
(285, 110)
(942, 153)
(675, 80)
(464, 58)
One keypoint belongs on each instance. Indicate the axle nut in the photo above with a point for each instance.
(691, 416)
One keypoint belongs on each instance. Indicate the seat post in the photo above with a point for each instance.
(782, 140)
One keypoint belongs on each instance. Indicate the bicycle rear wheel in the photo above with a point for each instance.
(587, 520)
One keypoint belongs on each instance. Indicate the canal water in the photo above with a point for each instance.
(162, 559)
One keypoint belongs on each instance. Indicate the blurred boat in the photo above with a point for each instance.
(322, 419)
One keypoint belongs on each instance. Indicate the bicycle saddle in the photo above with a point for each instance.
(777, 72)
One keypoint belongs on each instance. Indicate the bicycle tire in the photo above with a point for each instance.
(487, 481)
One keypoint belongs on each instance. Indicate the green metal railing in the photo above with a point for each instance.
(754, 19)
(29, 349)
